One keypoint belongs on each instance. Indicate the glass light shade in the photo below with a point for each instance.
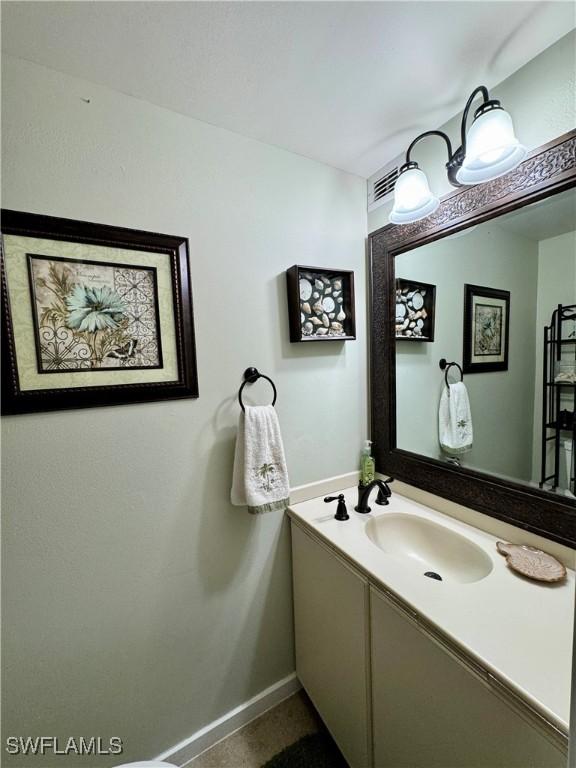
(492, 149)
(413, 199)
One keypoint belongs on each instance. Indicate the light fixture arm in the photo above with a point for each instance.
(455, 158)
(454, 161)
(486, 97)
(423, 136)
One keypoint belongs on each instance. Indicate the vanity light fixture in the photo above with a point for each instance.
(489, 150)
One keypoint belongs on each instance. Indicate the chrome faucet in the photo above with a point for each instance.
(364, 491)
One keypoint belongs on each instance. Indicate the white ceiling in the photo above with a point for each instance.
(551, 217)
(346, 83)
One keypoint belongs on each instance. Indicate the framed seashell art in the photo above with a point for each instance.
(415, 309)
(320, 304)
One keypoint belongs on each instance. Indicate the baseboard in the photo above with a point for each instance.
(184, 752)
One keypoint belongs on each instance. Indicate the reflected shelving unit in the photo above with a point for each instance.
(559, 400)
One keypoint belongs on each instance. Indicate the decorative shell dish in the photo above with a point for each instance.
(531, 562)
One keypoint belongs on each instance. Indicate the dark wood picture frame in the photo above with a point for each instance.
(468, 363)
(17, 400)
(293, 276)
(429, 306)
(548, 170)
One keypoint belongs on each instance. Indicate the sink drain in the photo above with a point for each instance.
(433, 575)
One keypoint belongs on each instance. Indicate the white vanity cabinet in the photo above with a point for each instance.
(331, 620)
(393, 691)
(432, 710)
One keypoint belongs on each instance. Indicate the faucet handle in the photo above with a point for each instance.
(384, 495)
(341, 511)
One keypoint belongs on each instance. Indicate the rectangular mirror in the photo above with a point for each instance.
(483, 292)
(529, 257)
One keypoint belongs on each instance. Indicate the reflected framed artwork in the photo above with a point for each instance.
(486, 329)
(93, 315)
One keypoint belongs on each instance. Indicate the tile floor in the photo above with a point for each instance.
(260, 740)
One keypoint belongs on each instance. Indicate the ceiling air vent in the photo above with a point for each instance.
(381, 184)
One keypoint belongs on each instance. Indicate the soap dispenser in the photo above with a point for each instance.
(367, 465)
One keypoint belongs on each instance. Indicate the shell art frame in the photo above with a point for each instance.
(320, 304)
(415, 310)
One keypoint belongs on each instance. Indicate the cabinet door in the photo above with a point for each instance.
(330, 612)
(430, 711)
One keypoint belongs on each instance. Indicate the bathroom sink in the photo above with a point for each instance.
(433, 549)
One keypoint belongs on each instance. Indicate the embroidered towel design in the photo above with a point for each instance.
(260, 477)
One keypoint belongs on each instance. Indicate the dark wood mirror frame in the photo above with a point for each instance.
(548, 170)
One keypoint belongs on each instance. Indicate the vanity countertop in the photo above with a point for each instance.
(519, 630)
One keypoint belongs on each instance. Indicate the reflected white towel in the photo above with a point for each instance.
(455, 420)
(260, 476)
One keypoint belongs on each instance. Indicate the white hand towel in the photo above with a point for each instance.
(260, 476)
(455, 420)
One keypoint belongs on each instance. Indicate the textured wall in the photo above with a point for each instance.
(139, 603)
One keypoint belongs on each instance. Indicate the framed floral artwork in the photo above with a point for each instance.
(486, 329)
(93, 315)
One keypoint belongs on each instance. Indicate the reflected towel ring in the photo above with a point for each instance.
(250, 376)
(445, 366)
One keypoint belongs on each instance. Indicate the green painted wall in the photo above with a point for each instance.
(501, 402)
(556, 285)
(139, 603)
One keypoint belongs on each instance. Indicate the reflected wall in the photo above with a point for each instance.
(532, 254)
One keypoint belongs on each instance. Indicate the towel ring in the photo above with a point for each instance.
(445, 366)
(250, 376)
